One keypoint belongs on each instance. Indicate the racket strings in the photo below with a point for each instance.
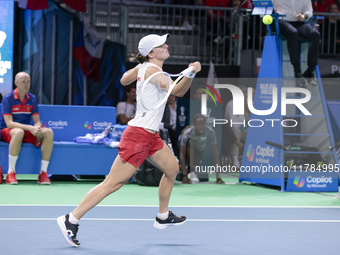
(158, 86)
(161, 81)
(156, 89)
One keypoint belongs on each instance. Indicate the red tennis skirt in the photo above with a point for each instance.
(28, 137)
(136, 144)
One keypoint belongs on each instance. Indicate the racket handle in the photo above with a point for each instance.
(274, 144)
(189, 72)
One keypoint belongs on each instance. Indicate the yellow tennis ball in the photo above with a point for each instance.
(267, 19)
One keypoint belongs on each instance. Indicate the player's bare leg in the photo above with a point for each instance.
(165, 160)
(120, 172)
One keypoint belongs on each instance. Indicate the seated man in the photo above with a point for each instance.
(193, 141)
(17, 108)
(293, 25)
(126, 110)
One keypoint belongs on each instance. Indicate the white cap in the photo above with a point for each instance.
(147, 43)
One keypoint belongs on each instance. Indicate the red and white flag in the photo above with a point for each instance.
(87, 49)
(33, 4)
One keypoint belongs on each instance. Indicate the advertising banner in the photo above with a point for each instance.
(61, 119)
(6, 46)
(313, 181)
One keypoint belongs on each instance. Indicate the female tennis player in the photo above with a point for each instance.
(139, 141)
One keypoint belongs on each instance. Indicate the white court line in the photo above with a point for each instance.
(194, 220)
(194, 206)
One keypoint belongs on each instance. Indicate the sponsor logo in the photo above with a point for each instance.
(88, 125)
(313, 182)
(319, 180)
(182, 109)
(56, 124)
(137, 160)
(250, 152)
(43, 124)
(99, 125)
(299, 182)
(264, 152)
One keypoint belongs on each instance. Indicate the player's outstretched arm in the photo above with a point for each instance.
(130, 76)
(182, 87)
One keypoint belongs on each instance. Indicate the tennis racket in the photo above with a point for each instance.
(158, 86)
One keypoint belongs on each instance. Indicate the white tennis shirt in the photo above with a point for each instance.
(144, 118)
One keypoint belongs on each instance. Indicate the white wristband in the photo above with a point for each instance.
(190, 75)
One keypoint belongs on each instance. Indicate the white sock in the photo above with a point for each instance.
(163, 216)
(72, 219)
(236, 161)
(44, 165)
(12, 160)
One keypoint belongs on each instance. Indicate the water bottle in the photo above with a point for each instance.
(107, 131)
(114, 134)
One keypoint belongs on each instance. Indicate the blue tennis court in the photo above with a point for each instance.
(209, 230)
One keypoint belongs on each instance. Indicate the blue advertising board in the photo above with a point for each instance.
(262, 163)
(312, 181)
(262, 7)
(68, 122)
(261, 3)
(6, 45)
